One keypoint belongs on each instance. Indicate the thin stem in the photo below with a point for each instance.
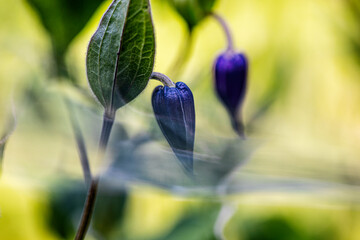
(88, 209)
(226, 29)
(163, 79)
(183, 56)
(80, 144)
(238, 125)
(108, 122)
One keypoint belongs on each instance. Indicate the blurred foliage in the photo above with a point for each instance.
(8, 130)
(64, 19)
(301, 106)
(353, 36)
(197, 225)
(141, 159)
(280, 228)
(66, 204)
(22, 211)
(193, 11)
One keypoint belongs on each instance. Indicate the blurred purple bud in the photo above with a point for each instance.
(230, 75)
(175, 113)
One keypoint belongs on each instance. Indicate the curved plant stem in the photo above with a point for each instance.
(88, 209)
(108, 122)
(84, 159)
(226, 29)
(182, 56)
(238, 125)
(163, 79)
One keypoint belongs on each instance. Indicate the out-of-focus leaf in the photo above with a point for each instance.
(280, 228)
(235, 154)
(9, 129)
(140, 159)
(353, 34)
(272, 229)
(109, 209)
(193, 11)
(123, 47)
(34, 99)
(196, 226)
(64, 19)
(66, 204)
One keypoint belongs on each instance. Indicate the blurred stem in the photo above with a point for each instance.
(88, 209)
(60, 69)
(182, 56)
(227, 211)
(226, 29)
(238, 125)
(80, 144)
(108, 122)
(9, 130)
(163, 79)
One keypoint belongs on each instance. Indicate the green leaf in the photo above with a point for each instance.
(109, 210)
(193, 11)
(66, 201)
(121, 51)
(64, 19)
(198, 225)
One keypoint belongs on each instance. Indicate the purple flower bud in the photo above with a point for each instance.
(230, 73)
(175, 113)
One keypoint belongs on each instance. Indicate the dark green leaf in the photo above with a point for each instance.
(64, 19)
(193, 11)
(123, 47)
(65, 206)
(282, 228)
(109, 209)
(195, 226)
(66, 203)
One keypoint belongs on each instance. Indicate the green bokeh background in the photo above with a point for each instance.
(302, 106)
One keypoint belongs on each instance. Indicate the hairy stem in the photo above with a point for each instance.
(163, 79)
